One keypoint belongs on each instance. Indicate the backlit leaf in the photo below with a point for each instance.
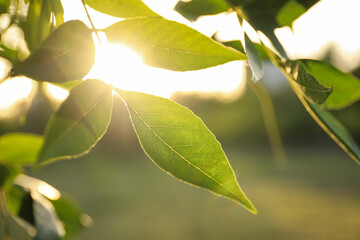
(180, 144)
(170, 45)
(346, 87)
(66, 55)
(80, 122)
(19, 148)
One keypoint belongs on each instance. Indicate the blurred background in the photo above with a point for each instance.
(128, 197)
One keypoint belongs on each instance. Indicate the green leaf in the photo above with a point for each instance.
(196, 8)
(254, 59)
(66, 55)
(289, 13)
(73, 219)
(19, 148)
(170, 45)
(334, 129)
(180, 144)
(346, 87)
(80, 122)
(4, 5)
(7, 173)
(309, 86)
(122, 8)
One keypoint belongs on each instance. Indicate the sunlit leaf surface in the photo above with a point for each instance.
(180, 144)
(66, 55)
(80, 122)
(121, 8)
(170, 45)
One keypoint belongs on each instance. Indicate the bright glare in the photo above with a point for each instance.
(55, 92)
(48, 191)
(14, 91)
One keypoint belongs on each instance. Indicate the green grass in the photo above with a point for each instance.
(128, 197)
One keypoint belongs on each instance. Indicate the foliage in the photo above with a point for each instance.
(171, 135)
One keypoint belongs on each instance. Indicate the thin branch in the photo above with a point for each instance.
(5, 216)
(91, 22)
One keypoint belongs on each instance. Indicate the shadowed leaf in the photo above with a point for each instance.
(180, 144)
(170, 45)
(66, 55)
(346, 87)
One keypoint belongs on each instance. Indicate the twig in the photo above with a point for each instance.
(5, 216)
(91, 22)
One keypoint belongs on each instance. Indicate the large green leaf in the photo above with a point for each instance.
(80, 122)
(254, 58)
(346, 87)
(19, 148)
(180, 144)
(307, 83)
(170, 45)
(66, 55)
(121, 8)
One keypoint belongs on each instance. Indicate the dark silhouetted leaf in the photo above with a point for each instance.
(170, 45)
(66, 55)
(309, 86)
(346, 87)
(80, 122)
(180, 144)
(19, 148)
(122, 8)
(289, 13)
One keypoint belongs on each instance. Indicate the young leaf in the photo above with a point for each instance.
(80, 122)
(254, 59)
(122, 8)
(289, 13)
(309, 86)
(170, 45)
(346, 87)
(19, 148)
(66, 55)
(180, 144)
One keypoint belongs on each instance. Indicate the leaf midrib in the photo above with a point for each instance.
(187, 161)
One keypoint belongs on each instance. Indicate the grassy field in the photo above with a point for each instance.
(128, 197)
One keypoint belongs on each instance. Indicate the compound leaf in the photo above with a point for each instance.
(171, 45)
(80, 122)
(180, 144)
